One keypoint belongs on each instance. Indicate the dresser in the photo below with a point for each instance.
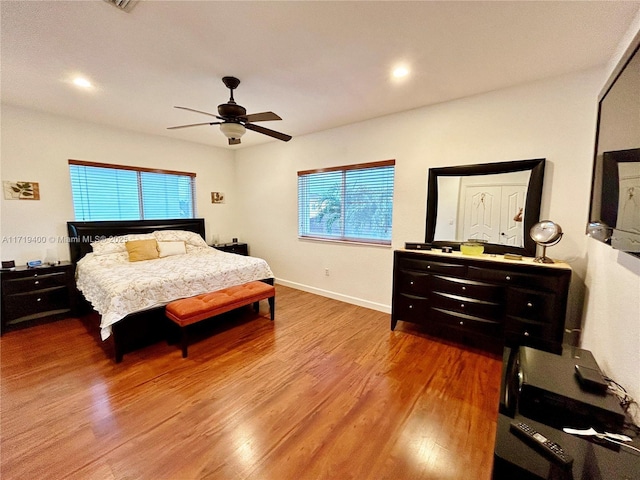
(484, 299)
(30, 295)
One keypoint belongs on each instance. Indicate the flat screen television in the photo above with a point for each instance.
(614, 215)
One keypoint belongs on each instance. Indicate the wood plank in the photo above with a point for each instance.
(326, 391)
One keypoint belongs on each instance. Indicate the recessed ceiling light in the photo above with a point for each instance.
(400, 72)
(82, 82)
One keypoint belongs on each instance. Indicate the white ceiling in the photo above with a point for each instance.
(317, 64)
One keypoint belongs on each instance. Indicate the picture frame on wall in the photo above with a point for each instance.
(21, 190)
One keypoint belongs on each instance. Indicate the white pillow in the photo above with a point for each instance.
(190, 238)
(172, 248)
(117, 244)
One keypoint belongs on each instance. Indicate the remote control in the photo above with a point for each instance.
(551, 450)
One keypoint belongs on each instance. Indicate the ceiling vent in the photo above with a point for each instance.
(124, 5)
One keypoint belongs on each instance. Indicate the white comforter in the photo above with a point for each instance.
(116, 287)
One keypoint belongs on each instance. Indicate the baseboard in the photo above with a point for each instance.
(336, 296)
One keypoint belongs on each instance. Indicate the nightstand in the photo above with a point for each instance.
(33, 295)
(238, 248)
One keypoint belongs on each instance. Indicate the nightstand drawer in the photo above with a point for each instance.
(237, 248)
(35, 281)
(35, 304)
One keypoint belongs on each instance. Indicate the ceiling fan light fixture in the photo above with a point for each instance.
(232, 130)
(123, 5)
(400, 72)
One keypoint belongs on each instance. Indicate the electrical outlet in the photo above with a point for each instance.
(326, 272)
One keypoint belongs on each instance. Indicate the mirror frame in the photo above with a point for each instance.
(532, 203)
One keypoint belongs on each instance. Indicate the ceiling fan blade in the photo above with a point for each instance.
(199, 111)
(194, 125)
(261, 117)
(266, 131)
(234, 141)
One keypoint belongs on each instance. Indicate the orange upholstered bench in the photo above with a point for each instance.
(187, 311)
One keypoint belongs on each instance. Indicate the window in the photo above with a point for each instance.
(352, 203)
(116, 192)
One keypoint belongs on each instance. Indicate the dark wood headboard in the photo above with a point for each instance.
(82, 234)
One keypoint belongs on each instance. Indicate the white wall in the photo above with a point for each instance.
(36, 147)
(554, 119)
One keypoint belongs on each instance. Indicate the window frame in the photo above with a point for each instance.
(139, 171)
(342, 238)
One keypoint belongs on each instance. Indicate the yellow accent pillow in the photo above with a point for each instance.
(142, 250)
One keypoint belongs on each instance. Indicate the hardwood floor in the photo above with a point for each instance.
(326, 391)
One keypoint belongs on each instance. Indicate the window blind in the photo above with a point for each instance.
(114, 192)
(351, 203)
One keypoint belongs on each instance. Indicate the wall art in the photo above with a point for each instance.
(217, 197)
(21, 190)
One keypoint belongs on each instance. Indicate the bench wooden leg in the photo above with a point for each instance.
(272, 306)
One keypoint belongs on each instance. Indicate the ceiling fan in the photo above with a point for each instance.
(234, 119)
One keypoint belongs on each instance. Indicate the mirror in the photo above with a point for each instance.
(615, 188)
(496, 203)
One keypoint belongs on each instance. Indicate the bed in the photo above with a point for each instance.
(130, 296)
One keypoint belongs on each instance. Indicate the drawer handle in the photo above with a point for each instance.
(507, 277)
(464, 288)
(411, 283)
(36, 282)
(428, 267)
(529, 304)
(462, 305)
(526, 334)
(461, 323)
(410, 306)
(39, 299)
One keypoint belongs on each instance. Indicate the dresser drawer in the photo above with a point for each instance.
(468, 323)
(529, 328)
(410, 307)
(531, 304)
(468, 288)
(470, 306)
(34, 281)
(507, 277)
(20, 305)
(431, 266)
(413, 282)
